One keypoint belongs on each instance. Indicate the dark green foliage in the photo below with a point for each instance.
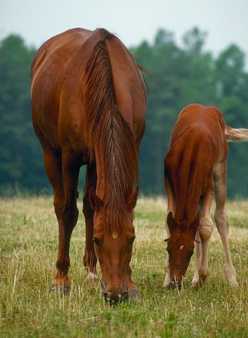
(20, 155)
(176, 75)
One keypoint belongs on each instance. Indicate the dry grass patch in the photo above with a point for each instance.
(28, 247)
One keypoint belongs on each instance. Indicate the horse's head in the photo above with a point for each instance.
(113, 247)
(180, 249)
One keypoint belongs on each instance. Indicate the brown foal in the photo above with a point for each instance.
(195, 172)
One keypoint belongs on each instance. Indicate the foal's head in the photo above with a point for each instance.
(113, 239)
(180, 248)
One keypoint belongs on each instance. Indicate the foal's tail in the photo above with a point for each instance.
(236, 135)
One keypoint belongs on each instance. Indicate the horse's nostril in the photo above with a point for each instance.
(175, 285)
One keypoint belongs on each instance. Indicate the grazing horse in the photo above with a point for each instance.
(88, 104)
(195, 171)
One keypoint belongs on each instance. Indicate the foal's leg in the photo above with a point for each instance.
(63, 175)
(88, 209)
(198, 255)
(221, 220)
(202, 238)
(170, 208)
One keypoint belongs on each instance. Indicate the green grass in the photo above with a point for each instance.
(28, 247)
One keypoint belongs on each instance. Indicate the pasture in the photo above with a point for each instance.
(28, 248)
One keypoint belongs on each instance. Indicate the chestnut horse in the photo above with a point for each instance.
(88, 103)
(195, 170)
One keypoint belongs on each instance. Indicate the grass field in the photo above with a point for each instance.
(28, 247)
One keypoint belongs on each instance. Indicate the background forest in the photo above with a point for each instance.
(176, 74)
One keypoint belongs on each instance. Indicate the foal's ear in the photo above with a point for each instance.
(170, 221)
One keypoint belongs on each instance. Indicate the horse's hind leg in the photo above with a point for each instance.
(170, 208)
(88, 209)
(63, 175)
(221, 220)
(202, 238)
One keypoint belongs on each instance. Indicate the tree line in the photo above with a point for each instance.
(176, 75)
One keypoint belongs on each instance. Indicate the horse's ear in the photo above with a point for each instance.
(170, 221)
(132, 199)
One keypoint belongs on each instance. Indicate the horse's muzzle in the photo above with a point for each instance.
(115, 298)
(174, 285)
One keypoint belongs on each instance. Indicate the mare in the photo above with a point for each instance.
(195, 173)
(88, 104)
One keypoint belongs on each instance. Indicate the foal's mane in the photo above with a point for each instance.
(189, 174)
(112, 142)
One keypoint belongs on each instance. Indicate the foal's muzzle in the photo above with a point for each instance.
(174, 285)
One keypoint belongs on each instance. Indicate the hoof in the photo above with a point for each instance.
(60, 289)
(166, 284)
(115, 299)
(133, 294)
(174, 285)
(230, 274)
(91, 276)
(166, 280)
(233, 283)
(198, 282)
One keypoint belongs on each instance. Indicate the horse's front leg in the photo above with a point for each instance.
(170, 208)
(202, 239)
(88, 210)
(63, 175)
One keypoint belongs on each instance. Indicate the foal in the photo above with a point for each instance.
(195, 172)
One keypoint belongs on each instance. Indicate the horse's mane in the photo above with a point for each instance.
(112, 143)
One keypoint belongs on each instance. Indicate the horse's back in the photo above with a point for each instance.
(53, 56)
(49, 70)
(58, 84)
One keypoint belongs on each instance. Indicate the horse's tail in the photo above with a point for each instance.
(111, 141)
(236, 135)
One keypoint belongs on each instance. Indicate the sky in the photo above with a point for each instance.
(226, 21)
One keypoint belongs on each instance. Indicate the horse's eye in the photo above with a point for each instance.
(97, 241)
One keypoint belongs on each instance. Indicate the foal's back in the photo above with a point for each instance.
(200, 122)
